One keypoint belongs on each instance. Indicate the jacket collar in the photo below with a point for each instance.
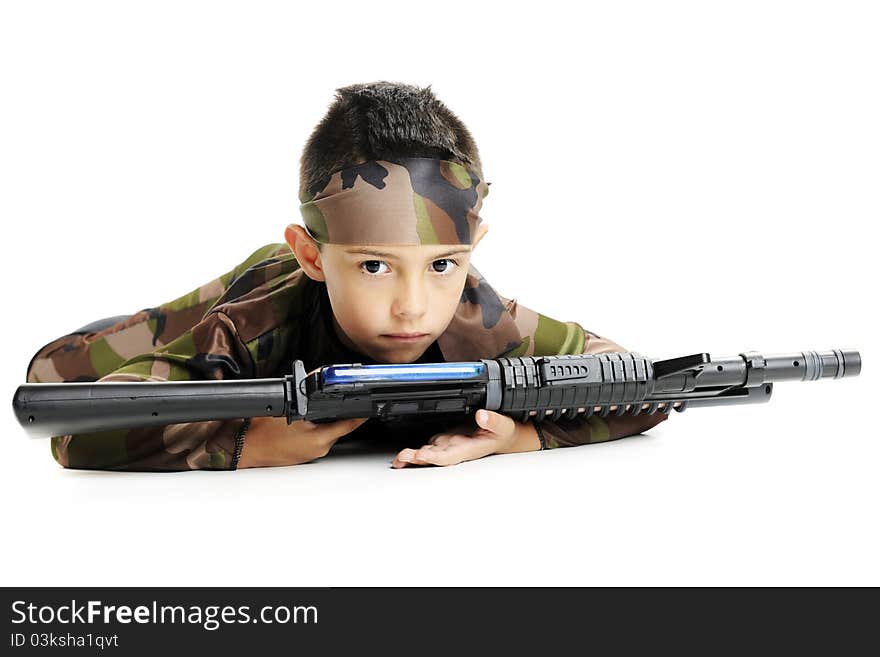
(481, 327)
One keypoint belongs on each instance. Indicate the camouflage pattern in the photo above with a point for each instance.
(414, 200)
(252, 322)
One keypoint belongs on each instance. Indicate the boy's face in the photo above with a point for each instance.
(380, 292)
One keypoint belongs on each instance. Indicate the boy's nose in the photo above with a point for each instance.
(411, 300)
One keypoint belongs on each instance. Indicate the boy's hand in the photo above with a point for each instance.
(271, 441)
(495, 433)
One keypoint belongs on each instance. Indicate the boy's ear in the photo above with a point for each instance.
(305, 250)
(482, 229)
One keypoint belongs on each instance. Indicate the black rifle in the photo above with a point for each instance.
(543, 387)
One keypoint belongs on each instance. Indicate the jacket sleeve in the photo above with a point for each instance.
(91, 355)
(543, 336)
(124, 351)
(210, 350)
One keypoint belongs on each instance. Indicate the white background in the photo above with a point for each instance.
(680, 177)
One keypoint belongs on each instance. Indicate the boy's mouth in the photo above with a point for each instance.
(405, 337)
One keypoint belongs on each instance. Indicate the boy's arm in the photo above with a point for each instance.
(543, 336)
(210, 350)
(124, 352)
(88, 357)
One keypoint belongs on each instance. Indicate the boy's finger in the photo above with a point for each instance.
(410, 456)
(431, 454)
(397, 463)
(441, 439)
(494, 422)
(403, 457)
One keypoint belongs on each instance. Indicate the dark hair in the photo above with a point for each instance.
(383, 120)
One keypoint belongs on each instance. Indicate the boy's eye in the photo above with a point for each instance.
(445, 268)
(372, 266)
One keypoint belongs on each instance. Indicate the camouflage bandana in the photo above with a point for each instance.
(413, 200)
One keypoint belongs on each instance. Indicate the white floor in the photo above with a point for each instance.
(756, 495)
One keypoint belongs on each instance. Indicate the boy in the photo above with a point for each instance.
(391, 184)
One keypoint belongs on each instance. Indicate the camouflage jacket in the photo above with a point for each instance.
(252, 322)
